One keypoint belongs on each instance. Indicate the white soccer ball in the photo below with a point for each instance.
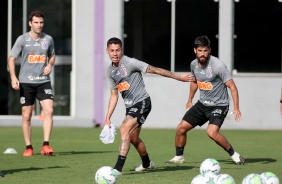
(202, 179)
(106, 175)
(210, 165)
(211, 175)
(253, 179)
(224, 179)
(269, 178)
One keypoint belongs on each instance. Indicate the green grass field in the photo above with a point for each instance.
(79, 153)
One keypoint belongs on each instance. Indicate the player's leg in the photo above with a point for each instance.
(26, 128)
(139, 145)
(128, 124)
(45, 96)
(47, 107)
(193, 117)
(27, 98)
(216, 119)
(180, 141)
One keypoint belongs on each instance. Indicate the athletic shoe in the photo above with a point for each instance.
(47, 150)
(239, 160)
(1, 174)
(176, 160)
(141, 168)
(118, 172)
(28, 152)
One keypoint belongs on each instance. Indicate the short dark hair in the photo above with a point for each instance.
(202, 41)
(35, 14)
(114, 40)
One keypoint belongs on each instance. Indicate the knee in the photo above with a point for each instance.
(134, 141)
(48, 112)
(181, 130)
(26, 116)
(212, 134)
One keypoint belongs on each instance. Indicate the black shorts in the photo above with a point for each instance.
(199, 114)
(28, 92)
(140, 110)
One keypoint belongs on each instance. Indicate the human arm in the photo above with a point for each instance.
(48, 68)
(184, 78)
(14, 80)
(234, 93)
(112, 105)
(193, 89)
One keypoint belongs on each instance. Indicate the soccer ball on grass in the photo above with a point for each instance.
(106, 175)
(210, 165)
(269, 178)
(253, 179)
(224, 179)
(202, 179)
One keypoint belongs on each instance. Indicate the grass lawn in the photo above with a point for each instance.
(79, 153)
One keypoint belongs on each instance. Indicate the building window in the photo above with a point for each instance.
(258, 36)
(147, 30)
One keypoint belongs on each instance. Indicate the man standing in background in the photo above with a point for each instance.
(37, 59)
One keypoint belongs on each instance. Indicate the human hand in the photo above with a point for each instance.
(237, 115)
(47, 70)
(189, 105)
(107, 122)
(15, 84)
(188, 77)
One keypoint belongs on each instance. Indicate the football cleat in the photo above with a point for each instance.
(239, 160)
(28, 152)
(176, 160)
(47, 150)
(118, 172)
(141, 168)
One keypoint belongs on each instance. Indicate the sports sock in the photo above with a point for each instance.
(46, 143)
(29, 147)
(145, 161)
(230, 151)
(120, 163)
(179, 151)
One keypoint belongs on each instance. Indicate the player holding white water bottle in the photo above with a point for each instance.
(212, 79)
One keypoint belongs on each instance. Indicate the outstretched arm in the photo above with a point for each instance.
(184, 78)
(234, 92)
(112, 105)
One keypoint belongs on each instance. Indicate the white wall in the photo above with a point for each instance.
(259, 93)
(259, 102)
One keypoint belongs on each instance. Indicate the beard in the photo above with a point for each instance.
(203, 60)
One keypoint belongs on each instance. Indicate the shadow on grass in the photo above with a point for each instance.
(77, 153)
(11, 171)
(252, 160)
(162, 169)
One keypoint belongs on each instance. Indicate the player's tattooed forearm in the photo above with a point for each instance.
(165, 73)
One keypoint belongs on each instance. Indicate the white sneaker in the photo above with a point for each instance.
(118, 172)
(141, 168)
(238, 159)
(176, 160)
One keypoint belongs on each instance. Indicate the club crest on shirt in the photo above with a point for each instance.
(44, 45)
(123, 72)
(209, 72)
